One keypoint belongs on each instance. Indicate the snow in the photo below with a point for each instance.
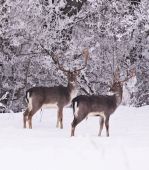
(45, 147)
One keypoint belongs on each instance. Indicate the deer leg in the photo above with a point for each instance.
(30, 121)
(57, 124)
(73, 125)
(101, 125)
(60, 118)
(30, 115)
(76, 121)
(107, 125)
(25, 117)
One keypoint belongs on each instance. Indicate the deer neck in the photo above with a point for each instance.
(118, 97)
(72, 89)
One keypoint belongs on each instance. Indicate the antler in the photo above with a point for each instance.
(130, 73)
(116, 74)
(86, 56)
(55, 58)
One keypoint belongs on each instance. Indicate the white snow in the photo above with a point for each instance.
(47, 148)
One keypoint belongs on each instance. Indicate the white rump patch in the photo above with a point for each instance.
(29, 103)
(76, 109)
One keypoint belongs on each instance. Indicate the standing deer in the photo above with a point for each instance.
(99, 105)
(57, 96)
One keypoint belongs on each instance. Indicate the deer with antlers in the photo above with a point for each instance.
(99, 105)
(57, 96)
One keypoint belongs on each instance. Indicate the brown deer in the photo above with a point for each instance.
(57, 96)
(99, 105)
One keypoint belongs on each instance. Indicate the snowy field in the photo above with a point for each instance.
(47, 148)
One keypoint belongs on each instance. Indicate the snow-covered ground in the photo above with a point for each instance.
(48, 148)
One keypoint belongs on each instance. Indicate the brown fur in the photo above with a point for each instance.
(103, 105)
(37, 97)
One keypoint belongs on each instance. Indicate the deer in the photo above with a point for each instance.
(57, 96)
(99, 105)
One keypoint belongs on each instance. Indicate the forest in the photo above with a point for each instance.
(115, 32)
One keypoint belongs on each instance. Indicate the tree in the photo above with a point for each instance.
(115, 32)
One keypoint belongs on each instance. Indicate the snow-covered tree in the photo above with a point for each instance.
(115, 32)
